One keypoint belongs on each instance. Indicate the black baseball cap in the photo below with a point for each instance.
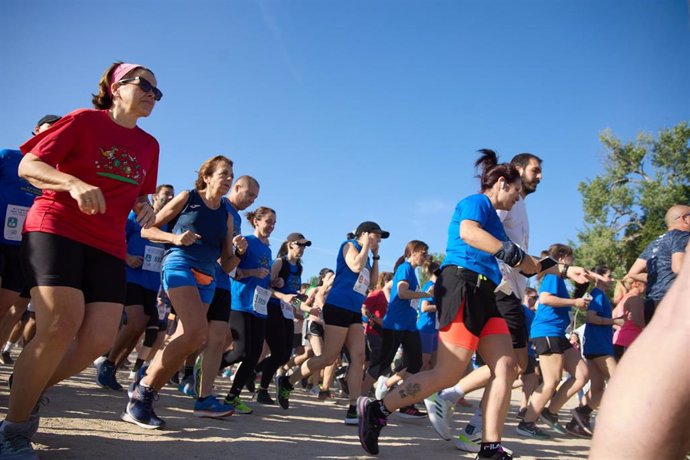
(371, 227)
(48, 119)
(298, 237)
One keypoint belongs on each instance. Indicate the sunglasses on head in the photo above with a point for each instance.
(145, 86)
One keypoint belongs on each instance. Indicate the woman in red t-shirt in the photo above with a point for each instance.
(93, 166)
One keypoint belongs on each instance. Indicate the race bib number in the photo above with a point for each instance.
(288, 310)
(152, 258)
(362, 284)
(261, 297)
(14, 222)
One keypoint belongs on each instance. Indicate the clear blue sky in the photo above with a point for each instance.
(365, 110)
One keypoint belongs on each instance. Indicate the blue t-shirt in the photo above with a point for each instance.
(658, 255)
(599, 338)
(342, 293)
(426, 321)
(479, 209)
(16, 197)
(148, 275)
(529, 319)
(551, 321)
(258, 255)
(211, 224)
(401, 314)
(222, 278)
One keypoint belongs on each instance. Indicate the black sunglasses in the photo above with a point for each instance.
(301, 245)
(145, 86)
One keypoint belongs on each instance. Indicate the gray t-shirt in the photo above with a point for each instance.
(658, 256)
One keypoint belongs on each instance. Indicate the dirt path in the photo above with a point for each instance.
(82, 421)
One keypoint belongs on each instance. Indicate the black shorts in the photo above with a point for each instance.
(511, 310)
(219, 308)
(139, 295)
(10, 268)
(595, 355)
(314, 329)
(53, 260)
(551, 345)
(531, 365)
(336, 316)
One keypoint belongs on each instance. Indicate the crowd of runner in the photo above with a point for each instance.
(99, 262)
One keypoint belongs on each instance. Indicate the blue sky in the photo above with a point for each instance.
(365, 110)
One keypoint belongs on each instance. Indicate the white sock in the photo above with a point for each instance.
(8, 347)
(452, 394)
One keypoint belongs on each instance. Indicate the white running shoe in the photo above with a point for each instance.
(381, 389)
(462, 442)
(440, 412)
(98, 361)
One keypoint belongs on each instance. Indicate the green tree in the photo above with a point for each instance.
(625, 206)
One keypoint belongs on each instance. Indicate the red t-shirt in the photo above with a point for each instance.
(377, 304)
(122, 162)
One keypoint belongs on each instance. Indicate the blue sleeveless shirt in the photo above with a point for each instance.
(342, 293)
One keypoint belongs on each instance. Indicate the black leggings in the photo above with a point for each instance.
(248, 333)
(391, 340)
(279, 332)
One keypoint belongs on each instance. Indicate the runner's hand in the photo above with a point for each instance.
(581, 303)
(145, 214)
(90, 199)
(134, 261)
(240, 243)
(261, 272)
(578, 274)
(185, 239)
(278, 283)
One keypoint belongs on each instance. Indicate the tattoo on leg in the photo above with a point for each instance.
(411, 389)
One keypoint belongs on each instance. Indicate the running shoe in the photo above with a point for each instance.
(574, 428)
(15, 441)
(139, 410)
(473, 429)
(6, 358)
(211, 407)
(500, 454)
(552, 420)
(530, 430)
(227, 373)
(371, 421)
(98, 361)
(283, 389)
(325, 395)
(240, 406)
(462, 442)
(186, 386)
(440, 412)
(521, 413)
(582, 419)
(263, 397)
(314, 391)
(107, 376)
(196, 373)
(410, 412)
(351, 417)
(381, 389)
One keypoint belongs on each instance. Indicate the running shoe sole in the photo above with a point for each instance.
(529, 434)
(211, 414)
(128, 418)
(464, 444)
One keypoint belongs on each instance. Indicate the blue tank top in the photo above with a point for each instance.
(343, 292)
(292, 284)
(211, 224)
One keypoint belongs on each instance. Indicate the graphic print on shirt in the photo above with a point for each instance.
(116, 163)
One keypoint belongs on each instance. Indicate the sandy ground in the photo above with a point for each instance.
(82, 421)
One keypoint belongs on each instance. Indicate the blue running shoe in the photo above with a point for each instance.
(186, 387)
(107, 377)
(211, 407)
(139, 409)
(15, 441)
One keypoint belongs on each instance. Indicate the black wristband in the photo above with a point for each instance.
(375, 257)
(564, 271)
(510, 253)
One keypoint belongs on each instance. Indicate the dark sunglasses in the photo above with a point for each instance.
(301, 245)
(145, 86)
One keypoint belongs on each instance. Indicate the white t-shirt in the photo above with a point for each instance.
(516, 225)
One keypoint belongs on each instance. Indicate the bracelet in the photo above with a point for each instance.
(375, 257)
(564, 272)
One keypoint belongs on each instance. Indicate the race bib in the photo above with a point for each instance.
(152, 258)
(14, 222)
(261, 297)
(288, 310)
(362, 284)
(414, 303)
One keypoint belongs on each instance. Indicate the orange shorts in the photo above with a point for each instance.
(458, 335)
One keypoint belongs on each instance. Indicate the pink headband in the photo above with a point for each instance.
(120, 71)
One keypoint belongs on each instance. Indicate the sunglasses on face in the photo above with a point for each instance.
(145, 86)
(301, 245)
